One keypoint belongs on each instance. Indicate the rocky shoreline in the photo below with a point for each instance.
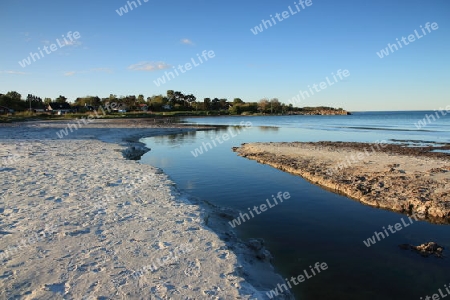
(321, 112)
(410, 180)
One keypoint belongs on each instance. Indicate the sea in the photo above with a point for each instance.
(314, 225)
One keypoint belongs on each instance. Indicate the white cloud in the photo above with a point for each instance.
(105, 70)
(13, 72)
(187, 42)
(70, 73)
(74, 43)
(149, 66)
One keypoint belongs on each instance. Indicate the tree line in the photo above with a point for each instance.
(172, 101)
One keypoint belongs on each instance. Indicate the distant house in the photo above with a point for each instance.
(4, 110)
(59, 108)
(115, 107)
(167, 107)
(143, 107)
(88, 107)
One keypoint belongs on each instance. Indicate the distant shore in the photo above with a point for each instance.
(411, 180)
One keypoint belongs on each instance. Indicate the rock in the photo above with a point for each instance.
(255, 244)
(427, 249)
(257, 247)
(264, 255)
(135, 152)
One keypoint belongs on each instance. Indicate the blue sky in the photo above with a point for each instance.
(299, 51)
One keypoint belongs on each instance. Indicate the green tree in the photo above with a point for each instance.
(61, 99)
(157, 102)
(191, 100)
(140, 99)
(14, 95)
(34, 102)
(206, 103)
(128, 101)
(180, 99)
(223, 103)
(94, 101)
(215, 104)
(13, 101)
(236, 109)
(275, 105)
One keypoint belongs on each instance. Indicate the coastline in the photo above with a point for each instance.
(80, 220)
(393, 177)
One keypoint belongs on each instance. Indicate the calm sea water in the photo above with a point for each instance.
(314, 225)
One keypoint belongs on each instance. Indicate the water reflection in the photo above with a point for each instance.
(268, 128)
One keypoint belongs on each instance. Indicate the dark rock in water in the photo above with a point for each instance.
(227, 213)
(264, 255)
(135, 152)
(427, 249)
(257, 246)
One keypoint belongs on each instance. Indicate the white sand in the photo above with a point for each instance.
(77, 221)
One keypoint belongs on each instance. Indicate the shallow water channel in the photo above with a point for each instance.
(313, 225)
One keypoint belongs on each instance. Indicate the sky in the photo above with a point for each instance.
(125, 53)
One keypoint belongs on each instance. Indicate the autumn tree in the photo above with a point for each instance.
(263, 104)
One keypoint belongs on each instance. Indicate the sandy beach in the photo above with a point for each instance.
(78, 220)
(411, 180)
